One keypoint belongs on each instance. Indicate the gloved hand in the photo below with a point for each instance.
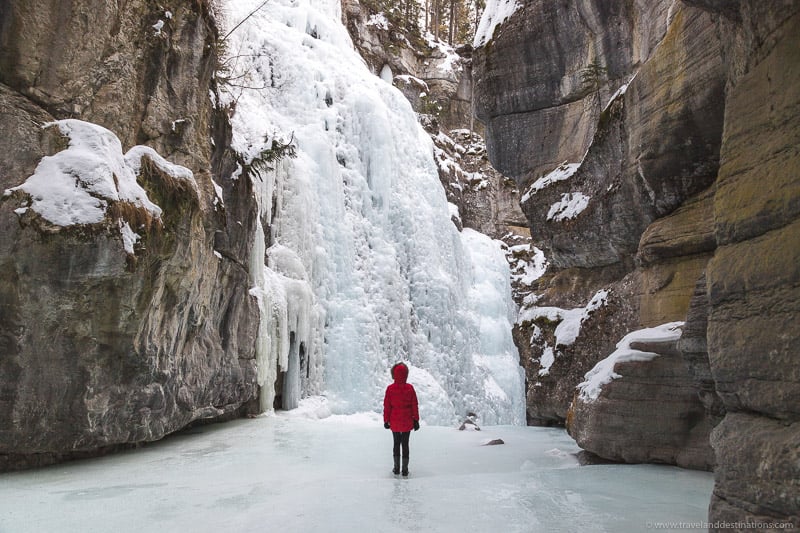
(416, 425)
(386, 425)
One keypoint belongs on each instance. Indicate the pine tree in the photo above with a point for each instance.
(592, 77)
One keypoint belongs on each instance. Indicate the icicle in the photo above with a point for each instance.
(265, 361)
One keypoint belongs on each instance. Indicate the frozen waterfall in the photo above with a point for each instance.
(359, 265)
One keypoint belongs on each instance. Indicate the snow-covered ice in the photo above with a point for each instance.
(291, 473)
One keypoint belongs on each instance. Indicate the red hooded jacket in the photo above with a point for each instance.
(400, 407)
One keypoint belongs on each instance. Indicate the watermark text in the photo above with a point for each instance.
(720, 524)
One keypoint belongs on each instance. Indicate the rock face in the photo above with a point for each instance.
(753, 278)
(694, 348)
(662, 388)
(487, 201)
(669, 177)
(612, 205)
(106, 340)
(528, 77)
(556, 365)
(434, 77)
(628, 177)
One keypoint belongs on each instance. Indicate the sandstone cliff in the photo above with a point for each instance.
(128, 326)
(596, 173)
(753, 278)
(652, 143)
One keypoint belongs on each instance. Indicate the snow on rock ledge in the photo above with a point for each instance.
(75, 185)
(78, 184)
(136, 347)
(570, 206)
(614, 418)
(603, 372)
(496, 12)
(567, 330)
(560, 173)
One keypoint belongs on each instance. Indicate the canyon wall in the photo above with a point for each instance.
(655, 148)
(754, 278)
(127, 326)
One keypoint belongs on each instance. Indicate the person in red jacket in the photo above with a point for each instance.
(400, 414)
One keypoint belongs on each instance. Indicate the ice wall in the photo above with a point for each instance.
(363, 266)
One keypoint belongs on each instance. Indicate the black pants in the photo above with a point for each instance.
(400, 439)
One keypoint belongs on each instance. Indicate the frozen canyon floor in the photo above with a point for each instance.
(289, 472)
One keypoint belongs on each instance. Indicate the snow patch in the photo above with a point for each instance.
(133, 158)
(560, 173)
(178, 123)
(567, 330)
(129, 237)
(378, 20)
(408, 79)
(75, 186)
(547, 360)
(619, 92)
(313, 407)
(526, 272)
(450, 62)
(603, 372)
(495, 13)
(218, 199)
(570, 320)
(570, 206)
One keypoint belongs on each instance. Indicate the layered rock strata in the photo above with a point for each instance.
(753, 279)
(673, 169)
(660, 388)
(598, 171)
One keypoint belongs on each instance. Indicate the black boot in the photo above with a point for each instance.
(396, 469)
(405, 465)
